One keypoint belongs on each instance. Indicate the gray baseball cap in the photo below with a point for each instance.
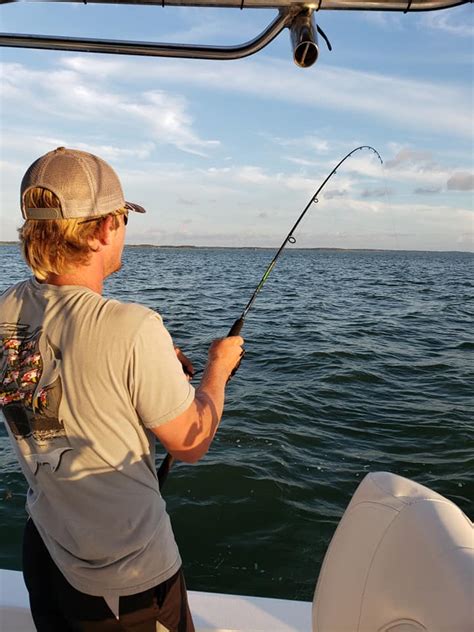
(85, 185)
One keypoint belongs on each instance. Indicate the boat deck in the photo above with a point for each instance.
(212, 612)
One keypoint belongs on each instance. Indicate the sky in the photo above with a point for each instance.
(228, 153)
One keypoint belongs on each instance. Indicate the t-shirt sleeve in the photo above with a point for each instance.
(159, 389)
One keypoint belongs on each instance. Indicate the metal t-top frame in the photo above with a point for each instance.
(292, 14)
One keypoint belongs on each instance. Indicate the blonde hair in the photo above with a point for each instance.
(57, 245)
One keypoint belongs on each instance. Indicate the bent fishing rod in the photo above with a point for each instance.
(239, 323)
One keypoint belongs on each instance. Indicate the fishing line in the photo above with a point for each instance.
(392, 215)
(289, 239)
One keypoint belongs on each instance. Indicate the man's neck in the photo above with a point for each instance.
(82, 275)
(104, 259)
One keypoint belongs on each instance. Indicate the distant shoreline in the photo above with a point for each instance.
(318, 248)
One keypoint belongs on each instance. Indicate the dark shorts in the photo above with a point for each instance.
(58, 607)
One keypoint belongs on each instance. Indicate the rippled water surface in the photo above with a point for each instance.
(356, 362)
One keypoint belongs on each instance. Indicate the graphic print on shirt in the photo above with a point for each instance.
(30, 394)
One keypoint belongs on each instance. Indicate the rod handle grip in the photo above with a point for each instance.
(235, 331)
(164, 470)
(236, 327)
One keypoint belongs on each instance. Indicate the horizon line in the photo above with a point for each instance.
(326, 248)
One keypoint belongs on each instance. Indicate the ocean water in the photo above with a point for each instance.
(356, 361)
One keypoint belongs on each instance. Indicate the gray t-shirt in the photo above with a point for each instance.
(82, 379)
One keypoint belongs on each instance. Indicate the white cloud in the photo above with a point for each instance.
(113, 153)
(211, 26)
(423, 105)
(461, 182)
(301, 161)
(303, 143)
(374, 193)
(70, 95)
(466, 241)
(448, 23)
(100, 104)
(360, 177)
(408, 155)
(427, 190)
(335, 193)
(383, 19)
(252, 175)
(420, 169)
(26, 147)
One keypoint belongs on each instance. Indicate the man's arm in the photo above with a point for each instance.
(188, 436)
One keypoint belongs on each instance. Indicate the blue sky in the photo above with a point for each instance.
(228, 153)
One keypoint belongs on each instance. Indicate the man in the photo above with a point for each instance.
(86, 384)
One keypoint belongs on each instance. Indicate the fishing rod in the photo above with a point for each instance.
(239, 323)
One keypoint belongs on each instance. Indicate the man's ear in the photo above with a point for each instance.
(102, 235)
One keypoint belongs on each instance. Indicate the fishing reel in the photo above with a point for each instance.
(304, 39)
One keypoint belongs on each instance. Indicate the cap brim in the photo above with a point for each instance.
(134, 207)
